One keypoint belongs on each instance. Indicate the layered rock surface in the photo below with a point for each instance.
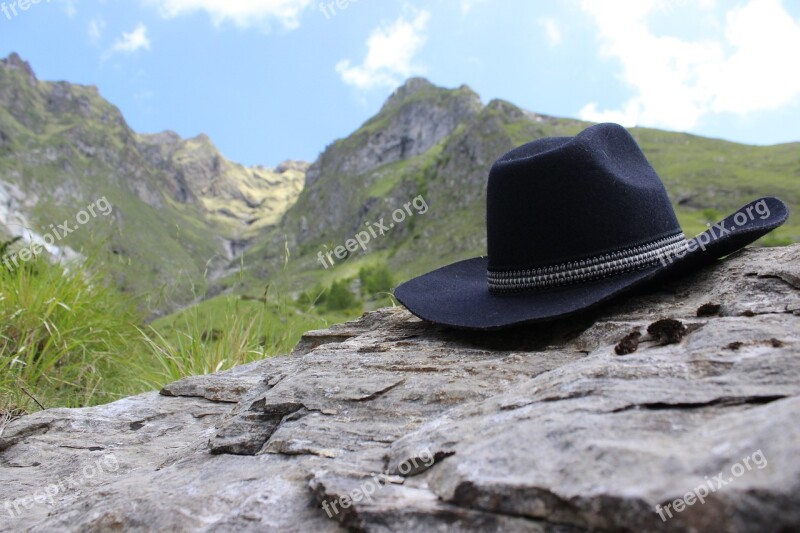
(392, 424)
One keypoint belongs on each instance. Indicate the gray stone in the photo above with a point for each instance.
(392, 424)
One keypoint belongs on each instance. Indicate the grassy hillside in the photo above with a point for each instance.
(708, 178)
(180, 209)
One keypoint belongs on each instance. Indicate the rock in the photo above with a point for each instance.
(628, 344)
(285, 166)
(13, 61)
(195, 172)
(386, 149)
(416, 117)
(392, 424)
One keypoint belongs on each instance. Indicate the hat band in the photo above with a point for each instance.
(589, 269)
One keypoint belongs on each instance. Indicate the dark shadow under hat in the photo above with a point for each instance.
(573, 222)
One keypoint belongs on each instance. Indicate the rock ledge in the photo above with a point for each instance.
(391, 424)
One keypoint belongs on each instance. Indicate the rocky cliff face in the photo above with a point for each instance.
(392, 424)
(416, 117)
(243, 199)
(343, 184)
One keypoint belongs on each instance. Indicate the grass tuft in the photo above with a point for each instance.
(65, 337)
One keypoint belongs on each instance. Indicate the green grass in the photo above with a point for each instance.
(70, 339)
(227, 331)
(66, 338)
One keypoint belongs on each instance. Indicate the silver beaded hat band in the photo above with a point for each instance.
(602, 266)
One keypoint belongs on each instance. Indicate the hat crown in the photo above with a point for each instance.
(565, 199)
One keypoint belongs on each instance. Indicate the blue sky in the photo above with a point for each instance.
(270, 80)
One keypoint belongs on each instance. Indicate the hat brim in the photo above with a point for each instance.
(458, 295)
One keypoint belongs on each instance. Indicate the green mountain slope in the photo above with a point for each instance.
(440, 144)
(180, 208)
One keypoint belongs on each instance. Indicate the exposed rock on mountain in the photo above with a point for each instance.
(246, 199)
(382, 161)
(412, 121)
(392, 424)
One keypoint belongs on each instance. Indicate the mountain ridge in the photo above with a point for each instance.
(706, 179)
(185, 212)
(180, 206)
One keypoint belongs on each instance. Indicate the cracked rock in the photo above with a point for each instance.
(392, 424)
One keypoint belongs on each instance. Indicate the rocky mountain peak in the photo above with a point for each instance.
(289, 164)
(241, 198)
(420, 89)
(14, 61)
(408, 89)
(416, 117)
(205, 140)
(61, 143)
(165, 138)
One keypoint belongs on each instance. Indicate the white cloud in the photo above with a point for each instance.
(758, 76)
(467, 5)
(96, 28)
(243, 13)
(70, 9)
(677, 82)
(551, 30)
(131, 41)
(390, 54)
(672, 6)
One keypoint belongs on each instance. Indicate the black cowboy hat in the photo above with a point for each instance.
(573, 222)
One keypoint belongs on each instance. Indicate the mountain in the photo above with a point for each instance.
(440, 144)
(183, 213)
(179, 206)
(243, 200)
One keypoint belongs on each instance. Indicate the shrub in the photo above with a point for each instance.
(314, 298)
(375, 280)
(340, 297)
